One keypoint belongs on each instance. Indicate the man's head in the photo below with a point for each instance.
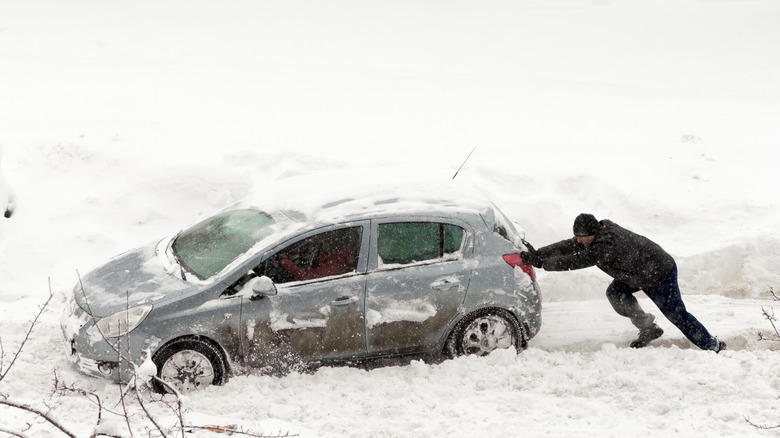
(586, 226)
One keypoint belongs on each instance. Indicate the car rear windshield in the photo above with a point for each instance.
(209, 246)
(505, 228)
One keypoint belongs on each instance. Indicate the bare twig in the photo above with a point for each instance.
(43, 414)
(6, 401)
(62, 388)
(13, 433)
(769, 315)
(232, 429)
(761, 426)
(34, 322)
(146, 411)
(2, 355)
(119, 360)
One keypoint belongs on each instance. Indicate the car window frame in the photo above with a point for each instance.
(239, 277)
(373, 256)
(362, 255)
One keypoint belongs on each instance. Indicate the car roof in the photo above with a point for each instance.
(400, 204)
(325, 198)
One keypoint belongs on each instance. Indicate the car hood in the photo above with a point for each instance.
(134, 278)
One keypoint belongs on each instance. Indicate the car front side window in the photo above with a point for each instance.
(412, 242)
(323, 255)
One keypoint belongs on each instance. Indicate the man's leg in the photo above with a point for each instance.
(668, 299)
(622, 298)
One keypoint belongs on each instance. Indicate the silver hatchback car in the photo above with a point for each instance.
(352, 280)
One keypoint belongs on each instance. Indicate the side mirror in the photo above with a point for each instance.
(261, 287)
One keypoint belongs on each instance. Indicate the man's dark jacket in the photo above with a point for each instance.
(625, 256)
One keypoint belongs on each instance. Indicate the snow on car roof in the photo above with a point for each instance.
(334, 196)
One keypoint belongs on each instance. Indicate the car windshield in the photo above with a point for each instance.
(209, 246)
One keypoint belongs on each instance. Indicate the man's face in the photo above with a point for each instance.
(585, 240)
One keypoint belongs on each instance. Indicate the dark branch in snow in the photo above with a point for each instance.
(41, 309)
(39, 412)
(761, 426)
(13, 433)
(157, 426)
(62, 388)
(769, 315)
(233, 430)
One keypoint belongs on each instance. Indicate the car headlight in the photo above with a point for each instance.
(120, 323)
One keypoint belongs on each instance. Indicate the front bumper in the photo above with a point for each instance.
(92, 367)
(113, 359)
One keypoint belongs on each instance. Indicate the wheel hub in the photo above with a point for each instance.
(486, 334)
(188, 370)
(488, 343)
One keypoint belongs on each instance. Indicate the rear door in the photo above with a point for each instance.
(418, 277)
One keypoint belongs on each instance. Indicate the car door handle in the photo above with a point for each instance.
(445, 283)
(344, 301)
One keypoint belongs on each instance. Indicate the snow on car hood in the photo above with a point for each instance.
(136, 277)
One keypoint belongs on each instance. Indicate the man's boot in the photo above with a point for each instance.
(648, 331)
(647, 335)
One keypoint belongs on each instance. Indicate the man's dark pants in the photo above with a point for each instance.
(667, 297)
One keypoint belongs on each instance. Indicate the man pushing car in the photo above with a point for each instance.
(635, 263)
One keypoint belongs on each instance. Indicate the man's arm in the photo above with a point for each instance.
(562, 248)
(538, 257)
(569, 261)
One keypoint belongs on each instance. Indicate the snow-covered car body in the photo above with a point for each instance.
(425, 276)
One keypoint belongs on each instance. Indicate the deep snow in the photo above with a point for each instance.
(123, 122)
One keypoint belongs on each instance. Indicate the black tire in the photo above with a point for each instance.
(483, 331)
(189, 364)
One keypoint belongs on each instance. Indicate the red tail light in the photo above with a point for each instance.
(516, 261)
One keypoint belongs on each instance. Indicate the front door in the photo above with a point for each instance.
(318, 312)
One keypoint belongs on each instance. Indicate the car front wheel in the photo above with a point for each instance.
(484, 331)
(189, 364)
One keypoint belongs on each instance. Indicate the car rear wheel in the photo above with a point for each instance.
(484, 331)
(188, 365)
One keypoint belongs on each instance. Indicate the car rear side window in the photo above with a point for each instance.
(411, 242)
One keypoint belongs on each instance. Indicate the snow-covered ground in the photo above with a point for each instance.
(122, 122)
